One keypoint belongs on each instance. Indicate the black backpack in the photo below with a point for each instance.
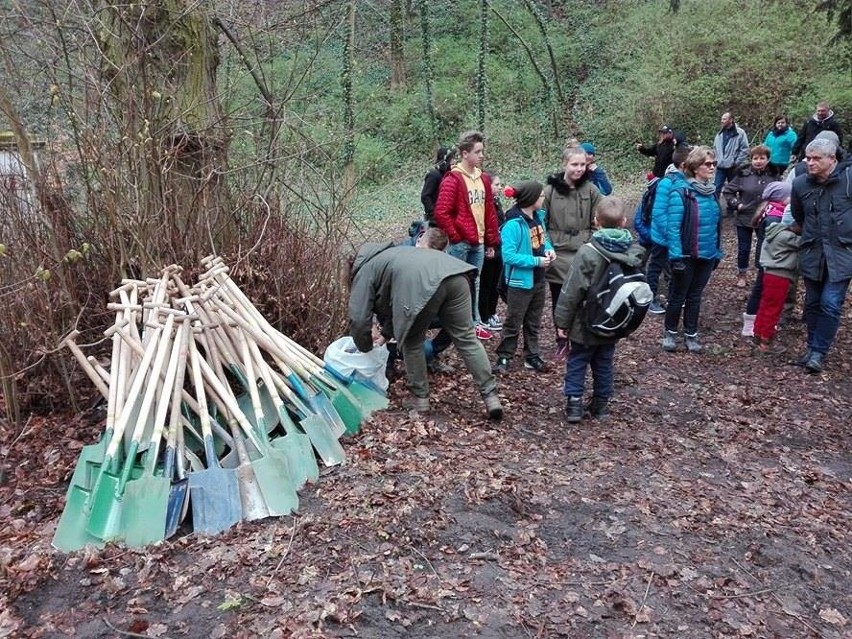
(642, 216)
(618, 302)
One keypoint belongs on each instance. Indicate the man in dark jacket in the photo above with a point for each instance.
(821, 204)
(822, 120)
(432, 181)
(406, 289)
(661, 151)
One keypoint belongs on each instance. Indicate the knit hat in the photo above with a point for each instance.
(777, 191)
(589, 148)
(525, 192)
(665, 129)
(831, 136)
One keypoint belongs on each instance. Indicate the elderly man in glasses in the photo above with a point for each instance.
(821, 204)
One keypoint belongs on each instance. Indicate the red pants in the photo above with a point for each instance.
(771, 304)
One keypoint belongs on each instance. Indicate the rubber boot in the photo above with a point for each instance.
(748, 325)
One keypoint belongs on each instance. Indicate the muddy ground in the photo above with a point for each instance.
(715, 502)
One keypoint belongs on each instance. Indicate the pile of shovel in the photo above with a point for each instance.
(210, 410)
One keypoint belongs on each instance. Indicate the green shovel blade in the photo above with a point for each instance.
(71, 530)
(143, 519)
(276, 484)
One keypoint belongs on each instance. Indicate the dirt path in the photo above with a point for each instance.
(714, 503)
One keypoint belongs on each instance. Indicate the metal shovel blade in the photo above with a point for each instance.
(296, 447)
(273, 477)
(106, 505)
(322, 439)
(71, 532)
(144, 519)
(88, 463)
(215, 497)
(178, 493)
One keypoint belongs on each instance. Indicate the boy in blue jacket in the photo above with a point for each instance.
(527, 252)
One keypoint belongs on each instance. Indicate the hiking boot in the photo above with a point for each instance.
(598, 407)
(418, 404)
(748, 325)
(536, 363)
(502, 366)
(692, 343)
(436, 365)
(814, 363)
(494, 323)
(669, 342)
(493, 406)
(655, 308)
(482, 332)
(573, 409)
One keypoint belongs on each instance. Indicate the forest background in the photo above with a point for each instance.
(279, 134)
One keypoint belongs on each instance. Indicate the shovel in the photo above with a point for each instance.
(108, 496)
(214, 492)
(270, 468)
(71, 531)
(144, 521)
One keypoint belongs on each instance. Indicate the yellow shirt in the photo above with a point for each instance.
(476, 197)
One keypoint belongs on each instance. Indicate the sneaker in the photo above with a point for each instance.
(482, 332)
(801, 361)
(656, 308)
(573, 409)
(692, 344)
(494, 323)
(493, 406)
(669, 342)
(536, 363)
(502, 366)
(438, 366)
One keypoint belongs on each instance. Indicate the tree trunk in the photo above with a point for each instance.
(397, 38)
(349, 108)
(160, 62)
(428, 70)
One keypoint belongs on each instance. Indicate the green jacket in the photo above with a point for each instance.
(395, 283)
(587, 268)
(570, 215)
(780, 253)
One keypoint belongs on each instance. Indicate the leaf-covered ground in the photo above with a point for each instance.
(715, 502)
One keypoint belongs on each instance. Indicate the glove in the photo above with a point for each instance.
(678, 266)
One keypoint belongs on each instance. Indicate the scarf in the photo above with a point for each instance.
(614, 240)
(704, 188)
(779, 132)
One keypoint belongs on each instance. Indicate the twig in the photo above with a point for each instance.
(431, 567)
(126, 633)
(415, 604)
(491, 556)
(286, 552)
(740, 596)
(644, 599)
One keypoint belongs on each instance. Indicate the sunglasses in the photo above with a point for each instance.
(710, 163)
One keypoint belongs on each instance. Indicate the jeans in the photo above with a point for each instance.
(722, 176)
(492, 270)
(823, 301)
(451, 303)
(600, 358)
(744, 236)
(524, 310)
(475, 256)
(685, 294)
(658, 263)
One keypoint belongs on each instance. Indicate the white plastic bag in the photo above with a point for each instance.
(345, 357)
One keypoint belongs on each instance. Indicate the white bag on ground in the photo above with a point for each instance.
(345, 357)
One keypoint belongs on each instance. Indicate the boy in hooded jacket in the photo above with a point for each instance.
(611, 242)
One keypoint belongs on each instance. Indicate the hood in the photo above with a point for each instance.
(366, 253)
(825, 119)
(557, 181)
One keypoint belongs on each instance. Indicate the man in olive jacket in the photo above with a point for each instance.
(406, 289)
(821, 204)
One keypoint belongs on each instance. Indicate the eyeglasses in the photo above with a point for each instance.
(710, 163)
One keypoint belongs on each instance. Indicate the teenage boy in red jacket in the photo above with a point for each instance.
(465, 212)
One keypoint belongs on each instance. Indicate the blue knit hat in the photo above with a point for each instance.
(589, 148)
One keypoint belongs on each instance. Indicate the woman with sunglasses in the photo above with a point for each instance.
(693, 239)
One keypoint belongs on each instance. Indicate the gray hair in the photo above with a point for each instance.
(822, 147)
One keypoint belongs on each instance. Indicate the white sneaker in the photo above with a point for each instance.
(494, 323)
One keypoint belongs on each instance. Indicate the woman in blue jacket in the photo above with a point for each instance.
(780, 141)
(692, 237)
